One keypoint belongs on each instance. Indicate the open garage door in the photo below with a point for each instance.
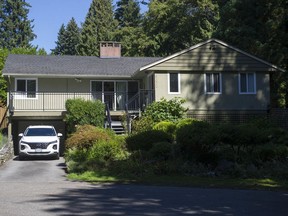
(19, 126)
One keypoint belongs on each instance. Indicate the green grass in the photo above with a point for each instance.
(186, 181)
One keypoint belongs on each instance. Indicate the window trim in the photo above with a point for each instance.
(220, 83)
(179, 82)
(239, 83)
(23, 95)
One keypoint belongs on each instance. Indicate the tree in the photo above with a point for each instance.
(178, 24)
(128, 13)
(60, 43)
(98, 26)
(260, 28)
(68, 39)
(15, 28)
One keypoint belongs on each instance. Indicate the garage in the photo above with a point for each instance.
(19, 126)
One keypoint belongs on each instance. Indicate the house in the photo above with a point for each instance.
(212, 76)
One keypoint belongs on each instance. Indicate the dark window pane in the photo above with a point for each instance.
(31, 88)
(243, 82)
(174, 82)
(216, 77)
(21, 85)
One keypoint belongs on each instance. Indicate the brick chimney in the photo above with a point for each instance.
(110, 49)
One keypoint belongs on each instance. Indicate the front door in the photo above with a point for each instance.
(109, 94)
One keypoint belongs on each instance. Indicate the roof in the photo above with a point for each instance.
(80, 66)
(152, 64)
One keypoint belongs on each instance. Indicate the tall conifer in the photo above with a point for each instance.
(15, 27)
(98, 26)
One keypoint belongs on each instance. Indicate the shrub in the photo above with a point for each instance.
(186, 121)
(103, 153)
(162, 151)
(86, 135)
(81, 112)
(166, 126)
(195, 139)
(145, 140)
(271, 152)
(166, 110)
(143, 124)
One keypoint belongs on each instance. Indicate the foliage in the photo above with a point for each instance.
(166, 110)
(166, 126)
(259, 28)
(85, 136)
(145, 123)
(162, 151)
(98, 26)
(15, 27)
(81, 112)
(68, 39)
(196, 139)
(127, 13)
(185, 121)
(178, 24)
(146, 139)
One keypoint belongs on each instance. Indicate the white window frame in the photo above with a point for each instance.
(247, 80)
(23, 95)
(179, 83)
(220, 83)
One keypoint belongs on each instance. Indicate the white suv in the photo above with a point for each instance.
(39, 140)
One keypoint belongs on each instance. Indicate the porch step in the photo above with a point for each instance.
(117, 127)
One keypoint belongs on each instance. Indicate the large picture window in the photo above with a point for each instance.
(213, 83)
(247, 83)
(26, 88)
(174, 83)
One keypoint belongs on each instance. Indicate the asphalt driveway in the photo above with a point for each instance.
(39, 188)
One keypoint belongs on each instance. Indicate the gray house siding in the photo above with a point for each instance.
(212, 57)
(192, 89)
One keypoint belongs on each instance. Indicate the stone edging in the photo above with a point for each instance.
(6, 153)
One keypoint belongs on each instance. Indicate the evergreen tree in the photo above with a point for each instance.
(15, 28)
(60, 43)
(98, 26)
(128, 13)
(178, 24)
(68, 39)
(72, 37)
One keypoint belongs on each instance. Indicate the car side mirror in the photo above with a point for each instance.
(20, 135)
(59, 135)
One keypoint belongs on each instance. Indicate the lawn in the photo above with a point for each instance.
(186, 181)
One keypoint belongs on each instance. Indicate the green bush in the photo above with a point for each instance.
(271, 152)
(86, 135)
(143, 124)
(145, 140)
(166, 110)
(103, 153)
(166, 126)
(196, 139)
(186, 121)
(81, 112)
(162, 151)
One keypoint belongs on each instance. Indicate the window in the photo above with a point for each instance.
(213, 83)
(174, 83)
(247, 83)
(26, 88)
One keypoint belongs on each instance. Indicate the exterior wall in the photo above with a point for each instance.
(192, 89)
(212, 57)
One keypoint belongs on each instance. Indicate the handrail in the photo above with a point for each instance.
(108, 115)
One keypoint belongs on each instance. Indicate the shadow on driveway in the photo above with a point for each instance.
(87, 199)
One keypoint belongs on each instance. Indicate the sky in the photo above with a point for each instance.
(49, 15)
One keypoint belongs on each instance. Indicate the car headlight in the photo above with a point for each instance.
(53, 142)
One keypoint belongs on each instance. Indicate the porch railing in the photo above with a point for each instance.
(55, 101)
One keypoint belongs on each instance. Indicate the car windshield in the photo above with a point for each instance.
(40, 132)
